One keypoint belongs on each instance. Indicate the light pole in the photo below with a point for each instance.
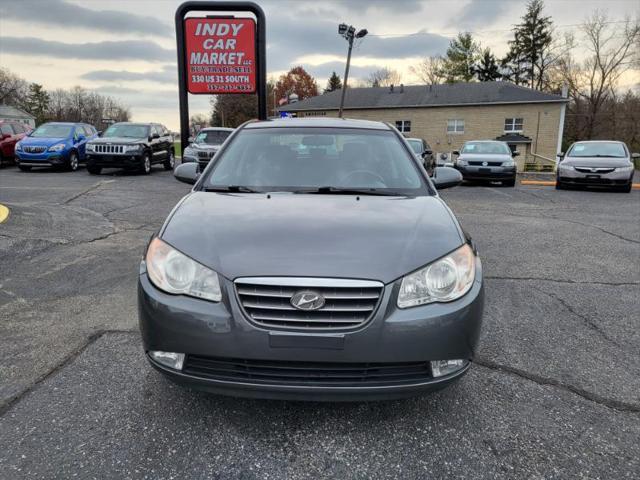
(349, 33)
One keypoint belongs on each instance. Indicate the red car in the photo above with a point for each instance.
(10, 134)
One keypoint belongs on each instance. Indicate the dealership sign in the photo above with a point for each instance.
(220, 55)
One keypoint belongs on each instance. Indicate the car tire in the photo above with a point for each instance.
(145, 167)
(74, 161)
(509, 183)
(24, 168)
(560, 185)
(170, 162)
(626, 188)
(93, 169)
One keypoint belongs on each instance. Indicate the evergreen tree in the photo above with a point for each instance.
(532, 39)
(460, 60)
(334, 83)
(487, 69)
(38, 102)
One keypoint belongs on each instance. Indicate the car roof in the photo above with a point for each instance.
(318, 123)
(599, 141)
(216, 129)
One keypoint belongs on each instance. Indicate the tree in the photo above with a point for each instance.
(430, 70)
(297, 81)
(38, 102)
(487, 69)
(593, 84)
(384, 77)
(460, 59)
(233, 110)
(334, 83)
(529, 51)
(198, 121)
(13, 89)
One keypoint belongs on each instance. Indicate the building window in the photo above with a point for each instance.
(513, 125)
(455, 126)
(403, 125)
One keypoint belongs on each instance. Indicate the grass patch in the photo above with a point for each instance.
(177, 148)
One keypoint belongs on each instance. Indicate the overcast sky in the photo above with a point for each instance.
(126, 48)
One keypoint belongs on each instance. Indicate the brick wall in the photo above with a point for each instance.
(481, 123)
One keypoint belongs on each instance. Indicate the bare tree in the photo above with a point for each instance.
(594, 82)
(430, 70)
(384, 77)
(13, 89)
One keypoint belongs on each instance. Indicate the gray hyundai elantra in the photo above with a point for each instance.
(314, 260)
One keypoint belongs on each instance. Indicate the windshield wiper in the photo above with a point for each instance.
(231, 188)
(349, 191)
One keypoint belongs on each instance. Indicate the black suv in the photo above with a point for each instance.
(135, 146)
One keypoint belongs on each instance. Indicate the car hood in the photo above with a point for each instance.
(596, 162)
(42, 141)
(118, 140)
(373, 237)
(484, 157)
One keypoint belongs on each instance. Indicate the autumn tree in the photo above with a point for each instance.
(487, 69)
(297, 81)
(334, 83)
(461, 58)
(384, 77)
(429, 70)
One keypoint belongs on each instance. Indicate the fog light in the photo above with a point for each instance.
(440, 368)
(168, 359)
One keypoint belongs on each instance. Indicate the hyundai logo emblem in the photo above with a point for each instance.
(307, 300)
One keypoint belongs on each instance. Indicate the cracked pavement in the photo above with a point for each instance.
(554, 393)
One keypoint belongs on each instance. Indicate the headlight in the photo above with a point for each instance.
(189, 151)
(446, 279)
(462, 162)
(508, 163)
(18, 146)
(625, 169)
(57, 147)
(174, 272)
(90, 147)
(565, 167)
(131, 148)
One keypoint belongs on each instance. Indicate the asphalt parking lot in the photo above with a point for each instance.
(555, 391)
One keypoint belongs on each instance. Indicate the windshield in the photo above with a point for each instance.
(600, 149)
(481, 148)
(52, 131)
(416, 145)
(127, 130)
(294, 159)
(212, 137)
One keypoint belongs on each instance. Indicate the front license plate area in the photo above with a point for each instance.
(485, 170)
(593, 177)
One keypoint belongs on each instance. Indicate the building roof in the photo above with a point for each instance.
(477, 93)
(323, 122)
(8, 111)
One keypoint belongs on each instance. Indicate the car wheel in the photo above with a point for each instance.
(93, 169)
(24, 168)
(73, 162)
(146, 164)
(170, 162)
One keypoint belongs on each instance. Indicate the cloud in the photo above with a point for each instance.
(168, 74)
(114, 50)
(481, 13)
(63, 14)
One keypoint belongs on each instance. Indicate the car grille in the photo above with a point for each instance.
(206, 155)
(97, 148)
(489, 164)
(348, 303)
(34, 149)
(597, 170)
(277, 372)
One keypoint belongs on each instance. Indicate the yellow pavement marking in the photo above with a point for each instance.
(4, 213)
(553, 183)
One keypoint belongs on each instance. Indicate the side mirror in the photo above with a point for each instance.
(561, 155)
(446, 177)
(426, 153)
(80, 138)
(190, 139)
(187, 172)
(515, 154)
(456, 152)
(155, 135)
(99, 133)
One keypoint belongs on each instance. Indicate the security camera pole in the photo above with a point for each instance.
(349, 33)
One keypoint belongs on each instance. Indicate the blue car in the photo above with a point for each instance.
(57, 144)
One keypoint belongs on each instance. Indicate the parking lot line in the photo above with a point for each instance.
(550, 183)
(4, 213)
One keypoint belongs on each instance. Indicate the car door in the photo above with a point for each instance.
(166, 139)
(79, 141)
(7, 140)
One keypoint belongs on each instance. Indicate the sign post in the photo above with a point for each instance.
(219, 54)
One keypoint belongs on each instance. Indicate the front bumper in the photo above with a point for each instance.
(472, 172)
(574, 177)
(392, 336)
(115, 161)
(44, 159)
